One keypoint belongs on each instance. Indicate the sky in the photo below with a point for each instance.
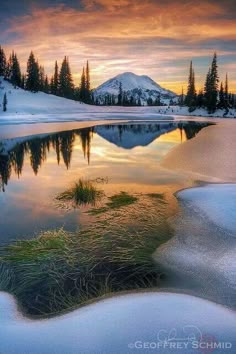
(157, 38)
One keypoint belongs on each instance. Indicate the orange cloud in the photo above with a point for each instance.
(117, 35)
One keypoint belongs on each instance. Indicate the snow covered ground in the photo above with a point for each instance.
(27, 107)
(202, 252)
(216, 201)
(209, 157)
(146, 322)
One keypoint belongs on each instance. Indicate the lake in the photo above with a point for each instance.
(110, 242)
(125, 156)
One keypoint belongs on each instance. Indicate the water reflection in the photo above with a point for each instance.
(39, 168)
(126, 136)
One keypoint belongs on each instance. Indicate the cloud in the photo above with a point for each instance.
(156, 38)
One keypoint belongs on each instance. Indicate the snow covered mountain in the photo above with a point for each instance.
(140, 87)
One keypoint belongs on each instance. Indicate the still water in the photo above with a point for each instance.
(126, 157)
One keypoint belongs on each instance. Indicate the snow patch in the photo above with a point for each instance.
(117, 324)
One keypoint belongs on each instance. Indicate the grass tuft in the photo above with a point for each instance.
(83, 192)
(59, 269)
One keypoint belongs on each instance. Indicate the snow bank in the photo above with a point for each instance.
(216, 201)
(120, 324)
(202, 253)
(210, 156)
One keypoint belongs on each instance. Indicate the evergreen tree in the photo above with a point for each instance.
(83, 86)
(150, 101)
(66, 87)
(181, 98)
(200, 99)
(33, 80)
(15, 71)
(3, 62)
(87, 84)
(211, 86)
(120, 95)
(158, 101)
(23, 80)
(221, 103)
(4, 103)
(55, 88)
(8, 71)
(52, 85)
(226, 93)
(46, 85)
(190, 99)
(207, 88)
(41, 78)
(214, 83)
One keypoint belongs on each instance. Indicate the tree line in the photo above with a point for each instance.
(212, 96)
(60, 84)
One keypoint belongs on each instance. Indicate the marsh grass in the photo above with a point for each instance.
(116, 201)
(58, 270)
(83, 192)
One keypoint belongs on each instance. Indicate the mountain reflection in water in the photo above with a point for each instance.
(126, 136)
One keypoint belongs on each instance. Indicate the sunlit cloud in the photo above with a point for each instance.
(146, 37)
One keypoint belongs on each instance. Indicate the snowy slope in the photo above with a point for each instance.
(27, 107)
(135, 85)
(25, 102)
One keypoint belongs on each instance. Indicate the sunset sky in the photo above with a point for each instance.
(151, 37)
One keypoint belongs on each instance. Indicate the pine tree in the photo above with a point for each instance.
(66, 87)
(181, 98)
(200, 99)
(87, 84)
(33, 80)
(23, 80)
(8, 71)
(226, 93)
(221, 103)
(211, 86)
(190, 99)
(55, 88)
(46, 85)
(83, 86)
(3, 62)
(41, 78)
(207, 88)
(120, 95)
(4, 103)
(15, 71)
(52, 85)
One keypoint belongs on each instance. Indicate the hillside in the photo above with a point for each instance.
(25, 102)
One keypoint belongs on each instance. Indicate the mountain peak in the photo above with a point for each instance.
(138, 86)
